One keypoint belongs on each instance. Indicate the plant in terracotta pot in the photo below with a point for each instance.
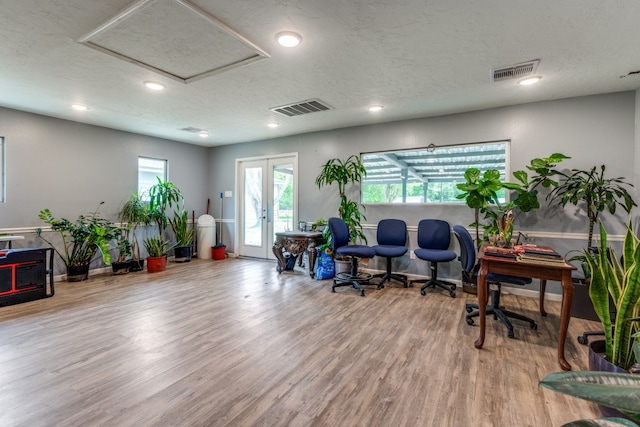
(135, 214)
(183, 234)
(163, 196)
(81, 239)
(157, 249)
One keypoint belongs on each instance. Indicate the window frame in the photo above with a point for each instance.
(144, 191)
(458, 175)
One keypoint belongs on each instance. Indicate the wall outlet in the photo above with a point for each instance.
(412, 255)
(228, 193)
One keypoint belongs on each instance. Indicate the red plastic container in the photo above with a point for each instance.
(218, 252)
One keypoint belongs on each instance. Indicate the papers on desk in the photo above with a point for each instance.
(526, 253)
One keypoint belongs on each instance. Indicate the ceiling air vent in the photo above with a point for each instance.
(300, 108)
(514, 71)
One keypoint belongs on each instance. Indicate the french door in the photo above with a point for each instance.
(267, 202)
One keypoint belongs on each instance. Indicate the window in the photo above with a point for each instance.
(3, 189)
(149, 170)
(427, 175)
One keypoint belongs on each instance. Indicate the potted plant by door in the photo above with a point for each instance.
(135, 214)
(615, 288)
(183, 234)
(81, 240)
(122, 264)
(157, 249)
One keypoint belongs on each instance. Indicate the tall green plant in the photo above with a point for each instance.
(180, 226)
(135, 213)
(343, 173)
(621, 282)
(596, 192)
(163, 196)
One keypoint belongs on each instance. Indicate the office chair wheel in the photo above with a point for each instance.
(452, 294)
(469, 321)
(469, 309)
(510, 334)
(534, 326)
(423, 292)
(583, 339)
(362, 293)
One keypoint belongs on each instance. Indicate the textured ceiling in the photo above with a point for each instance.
(418, 58)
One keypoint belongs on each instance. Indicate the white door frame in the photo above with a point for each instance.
(239, 190)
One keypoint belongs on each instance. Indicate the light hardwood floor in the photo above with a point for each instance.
(232, 343)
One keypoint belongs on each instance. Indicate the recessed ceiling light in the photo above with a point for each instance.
(529, 80)
(154, 85)
(203, 134)
(79, 107)
(288, 39)
(272, 125)
(375, 108)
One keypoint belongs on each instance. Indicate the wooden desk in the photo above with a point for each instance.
(544, 272)
(296, 243)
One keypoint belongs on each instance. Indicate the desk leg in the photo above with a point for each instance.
(543, 289)
(565, 316)
(311, 255)
(277, 251)
(482, 303)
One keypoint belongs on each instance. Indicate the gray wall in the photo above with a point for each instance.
(592, 130)
(70, 167)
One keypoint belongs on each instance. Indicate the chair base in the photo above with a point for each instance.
(431, 283)
(354, 278)
(498, 313)
(387, 277)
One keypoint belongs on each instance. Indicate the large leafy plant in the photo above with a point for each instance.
(343, 173)
(619, 391)
(180, 226)
(597, 193)
(82, 238)
(134, 213)
(163, 196)
(617, 282)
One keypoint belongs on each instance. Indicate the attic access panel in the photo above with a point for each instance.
(174, 38)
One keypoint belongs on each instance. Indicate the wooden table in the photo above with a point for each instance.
(296, 243)
(544, 271)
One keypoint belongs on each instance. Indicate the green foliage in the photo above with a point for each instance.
(135, 213)
(619, 391)
(480, 192)
(596, 192)
(621, 282)
(349, 171)
(180, 226)
(157, 247)
(123, 244)
(81, 239)
(162, 197)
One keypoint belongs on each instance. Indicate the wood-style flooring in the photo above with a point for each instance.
(232, 343)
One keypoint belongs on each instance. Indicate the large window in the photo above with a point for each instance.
(149, 170)
(428, 175)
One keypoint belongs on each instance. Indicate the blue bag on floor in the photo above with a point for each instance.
(326, 267)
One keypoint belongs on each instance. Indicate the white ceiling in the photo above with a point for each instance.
(418, 58)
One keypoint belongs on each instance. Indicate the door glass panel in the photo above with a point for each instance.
(282, 198)
(253, 206)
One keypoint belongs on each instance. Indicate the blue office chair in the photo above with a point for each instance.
(340, 245)
(434, 237)
(470, 275)
(392, 239)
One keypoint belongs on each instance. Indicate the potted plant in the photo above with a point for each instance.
(619, 391)
(81, 240)
(183, 234)
(134, 213)
(122, 264)
(157, 249)
(595, 191)
(343, 173)
(163, 196)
